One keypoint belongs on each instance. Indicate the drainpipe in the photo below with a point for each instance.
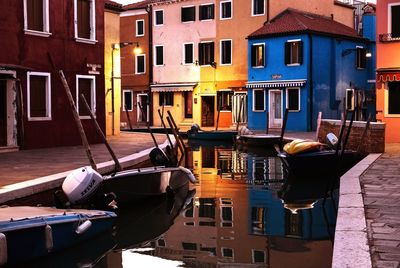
(149, 10)
(311, 82)
(112, 92)
(267, 10)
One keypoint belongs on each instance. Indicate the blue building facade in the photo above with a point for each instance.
(307, 67)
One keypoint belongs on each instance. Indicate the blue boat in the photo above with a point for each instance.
(31, 232)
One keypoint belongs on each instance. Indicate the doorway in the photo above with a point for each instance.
(188, 104)
(275, 108)
(143, 114)
(3, 112)
(207, 111)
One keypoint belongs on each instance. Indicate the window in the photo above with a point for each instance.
(140, 67)
(258, 256)
(85, 84)
(293, 99)
(127, 100)
(188, 14)
(226, 52)
(361, 58)
(393, 107)
(36, 14)
(226, 10)
(206, 53)
(166, 99)
(188, 51)
(85, 27)
(159, 55)
(294, 52)
(350, 99)
(258, 100)
(394, 26)
(159, 17)
(39, 96)
(257, 7)
(206, 12)
(257, 55)
(224, 99)
(227, 252)
(140, 28)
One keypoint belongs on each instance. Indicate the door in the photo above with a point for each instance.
(142, 115)
(275, 108)
(3, 112)
(188, 104)
(207, 111)
(239, 108)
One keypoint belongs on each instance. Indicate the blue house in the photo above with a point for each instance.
(308, 63)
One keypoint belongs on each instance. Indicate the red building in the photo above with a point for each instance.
(34, 109)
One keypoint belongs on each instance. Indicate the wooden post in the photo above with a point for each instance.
(283, 128)
(176, 128)
(218, 112)
(364, 133)
(165, 128)
(318, 125)
(238, 115)
(342, 127)
(348, 133)
(176, 135)
(148, 126)
(110, 150)
(267, 123)
(128, 117)
(77, 120)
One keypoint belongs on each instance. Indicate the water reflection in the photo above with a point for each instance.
(245, 212)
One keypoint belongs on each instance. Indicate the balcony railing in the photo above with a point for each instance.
(389, 37)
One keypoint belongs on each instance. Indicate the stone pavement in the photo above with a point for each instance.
(30, 164)
(380, 185)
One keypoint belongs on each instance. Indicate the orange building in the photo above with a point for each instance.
(388, 67)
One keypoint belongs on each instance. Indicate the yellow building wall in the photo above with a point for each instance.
(111, 36)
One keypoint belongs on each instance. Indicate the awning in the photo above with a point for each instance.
(6, 66)
(388, 74)
(178, 87)
(277, 83)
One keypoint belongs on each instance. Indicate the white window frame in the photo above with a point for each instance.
(93, 93)
(137, 27)
(220, 52)
(123, 99)
(252, 9)
(46, 23)
(265, 58)
(136, 63)
(227, 257)
(390, 15)
(184, 54)
(203, 42)
(48, 96)
(138, 108)
(253, 256)
(220, 10)
(358, 67)
(387, 102)
(155, 17)
(253, 100)
(352, 99)
(92, 39)
(206, 4)
(287, 98)
(191, 21)
(156, 56)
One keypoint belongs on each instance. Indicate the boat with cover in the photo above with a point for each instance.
(85, 186)
(27, 232)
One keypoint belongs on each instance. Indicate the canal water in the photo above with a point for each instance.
(243, 211)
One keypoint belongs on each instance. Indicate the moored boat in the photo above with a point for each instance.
(196, 133)
(31, 232)
(263, 140)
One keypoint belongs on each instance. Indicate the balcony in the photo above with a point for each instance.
(389, 37)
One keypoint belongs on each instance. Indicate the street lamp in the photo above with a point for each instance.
(117, 46)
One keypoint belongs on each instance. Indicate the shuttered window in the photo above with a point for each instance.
(258, 100)
(37, 96)
(83, 18)
(159, 17)
(188, 14)
(140, 28)
(206, 12)
(293, 99)
(35, 16)
(166, 99)
(294, 53)
(226, 52)
(140, 67)
(159, 55)
(187, 53)
(226, 10)
(206, 53)
(361, 58)
(258, 7)
(395, 21)
(128, 100)
(85, 88)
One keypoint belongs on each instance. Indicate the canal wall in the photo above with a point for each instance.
(28, 192)
(374, 141)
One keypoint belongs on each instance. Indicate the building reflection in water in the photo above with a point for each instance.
(239, 216)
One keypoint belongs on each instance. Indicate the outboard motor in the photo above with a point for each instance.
(195, 128)
(158, 157)
(81, 184)
(332, 140)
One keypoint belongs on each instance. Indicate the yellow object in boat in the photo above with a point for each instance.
(301, 146)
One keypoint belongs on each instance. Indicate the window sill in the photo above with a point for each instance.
(85, 116)
(205, 20)
(225, 18)
(39, 119)
(294, 111)
(259, 111)
(257, 67)
(225, 64)
(140, 35)
(188, 22)
(293, 64)
(139, 73)
(392, 115)
(157, 25)
(225, 111)
(257, 15)
(37, 33)
(86, 41)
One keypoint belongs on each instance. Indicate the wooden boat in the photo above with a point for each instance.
(30, 232)
(255, 140)
(225, 135)
(87, 187)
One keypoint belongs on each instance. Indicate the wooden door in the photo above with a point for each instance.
(275, 108)
(207, 111)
